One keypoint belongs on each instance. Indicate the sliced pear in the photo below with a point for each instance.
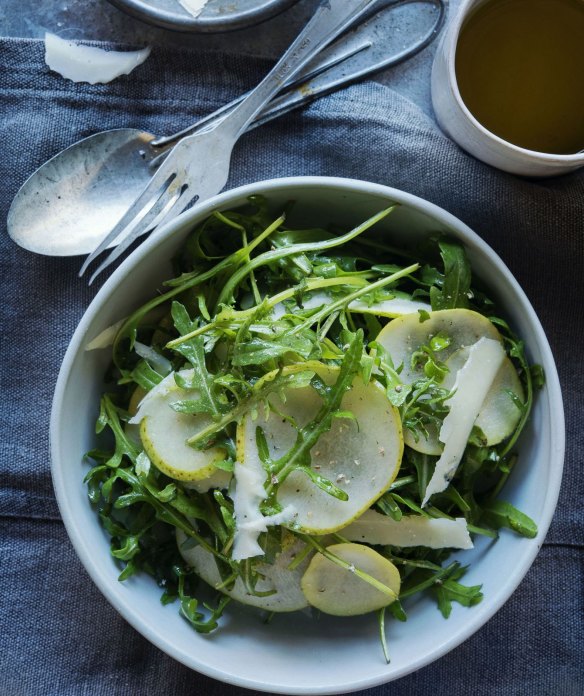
(426, 443)
(412, 530)
(394, 307)
(219, 478)
(403, 336)
(135, 400)
(473, 382)
(340, 591)
(499, 415)
(277, 577)
(164, 432)
(360, 455)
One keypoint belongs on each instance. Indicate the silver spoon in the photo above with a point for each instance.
(72, 201)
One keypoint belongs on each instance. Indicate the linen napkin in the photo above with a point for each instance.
(59, 636)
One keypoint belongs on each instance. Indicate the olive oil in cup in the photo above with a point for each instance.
(520, 71)
(508, 84)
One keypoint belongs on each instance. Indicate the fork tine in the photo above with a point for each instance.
(170, 212)
(148, 219)
(135, 211)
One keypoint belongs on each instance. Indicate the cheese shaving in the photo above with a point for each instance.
(81, 63)
(106, 338)
(473, 381)
(156, 361)
(194, 7)
(412, 530)
(247, 497)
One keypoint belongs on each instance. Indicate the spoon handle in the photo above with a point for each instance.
(368, 47)
(321, 64)
(331, 18)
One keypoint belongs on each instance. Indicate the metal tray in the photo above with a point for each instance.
(217, 16)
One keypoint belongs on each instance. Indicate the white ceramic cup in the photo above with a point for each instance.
(459, 124)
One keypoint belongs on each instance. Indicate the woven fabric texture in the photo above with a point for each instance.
(59, 636)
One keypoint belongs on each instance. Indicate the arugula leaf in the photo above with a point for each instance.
(499, 514)
(209, 400)
(257, 351)
(124, 447)
(450, 590)
(456, 281)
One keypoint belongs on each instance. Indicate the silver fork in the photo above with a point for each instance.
(198, 166)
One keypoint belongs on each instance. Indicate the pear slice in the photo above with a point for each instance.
(403, 336)
(360, 455)
(473, 382)
(340, 591)
(426, 442)
(219, 478)
(499, 414)
(164, 432)
(278, 578)
(394, 307)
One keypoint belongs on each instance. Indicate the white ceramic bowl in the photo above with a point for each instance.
(296, 654)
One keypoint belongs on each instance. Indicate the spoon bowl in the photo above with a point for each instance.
(113, 166)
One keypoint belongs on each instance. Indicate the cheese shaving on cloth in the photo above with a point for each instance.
(472, 384)
(194, 7)
(81, 63)
(412, 530)
(247, 496)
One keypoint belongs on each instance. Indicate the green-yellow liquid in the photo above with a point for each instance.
(520, 71)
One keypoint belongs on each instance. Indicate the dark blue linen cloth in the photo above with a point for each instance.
(58, 635)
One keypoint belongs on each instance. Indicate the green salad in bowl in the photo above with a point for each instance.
(311, 416)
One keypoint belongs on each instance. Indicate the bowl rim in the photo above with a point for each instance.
(179, 21)
(482, 612)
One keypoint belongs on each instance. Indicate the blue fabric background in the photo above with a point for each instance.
(58, 635)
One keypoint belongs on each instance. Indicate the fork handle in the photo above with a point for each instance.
(331, 18)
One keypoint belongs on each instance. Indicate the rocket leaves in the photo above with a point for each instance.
(255, 308)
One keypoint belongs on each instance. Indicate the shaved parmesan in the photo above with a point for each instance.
(81, 63)
(194, 7)
(472, 385)
(106, 338)
(412, 530)
(156, 361)
(247, 496)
